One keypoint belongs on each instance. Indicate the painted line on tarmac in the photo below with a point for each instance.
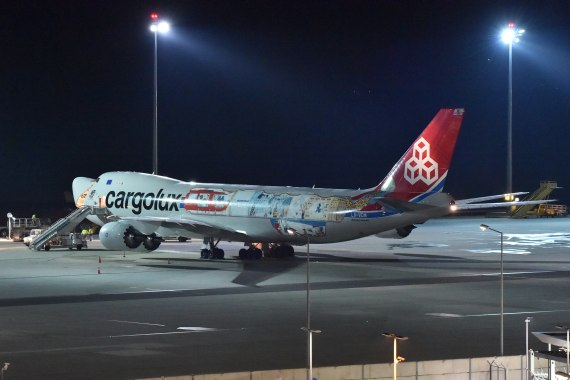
(151, 334)
(137, 323)
(518, 313)
(508, 273)
(185, 330)
(450, 315)
(198, 329)
(152, 291)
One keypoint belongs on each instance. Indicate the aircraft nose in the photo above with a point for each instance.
(80, 186)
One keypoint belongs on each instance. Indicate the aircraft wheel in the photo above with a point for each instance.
(218, 253)
(257, 254)
(289, 250)
(79, 246)
(182, 239)
(205, 254)
(243, 254)
(47, 247)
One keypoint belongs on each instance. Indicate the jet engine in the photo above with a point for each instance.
(118, 236)
(398, 233)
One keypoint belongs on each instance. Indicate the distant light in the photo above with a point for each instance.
(154, 16)
(509, 197)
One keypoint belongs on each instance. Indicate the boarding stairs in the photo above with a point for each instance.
(543, 192)
(62, 226)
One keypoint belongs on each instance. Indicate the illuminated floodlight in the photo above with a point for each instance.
(161, 27)
(511, 35)
(158, 26)
(508, 36)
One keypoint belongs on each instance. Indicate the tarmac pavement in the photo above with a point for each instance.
(65, 315)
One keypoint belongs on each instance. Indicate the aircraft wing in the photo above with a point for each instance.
(473, 203)
(489, 197)
(192, 225)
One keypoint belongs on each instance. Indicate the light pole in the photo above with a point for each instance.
(10, 221)
(305, 234)
(310, 350)
(485, 227)
(527, 322)
(567, 374)
(4, 369)
(156, 27)
(397, 358)
(509, 36)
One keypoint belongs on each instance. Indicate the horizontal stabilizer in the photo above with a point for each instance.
(433, 201)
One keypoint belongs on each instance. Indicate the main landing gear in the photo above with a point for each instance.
(251, 253)
(254, 251)
(212, 252)
(267, 250)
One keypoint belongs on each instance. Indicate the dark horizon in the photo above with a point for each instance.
(329, 94)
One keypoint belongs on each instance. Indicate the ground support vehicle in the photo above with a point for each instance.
(551, 210)
(72, 241)
(33, 233)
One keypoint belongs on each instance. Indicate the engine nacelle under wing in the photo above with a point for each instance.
(121, 236)
(398, 233)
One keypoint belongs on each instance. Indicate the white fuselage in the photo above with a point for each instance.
(161, 205)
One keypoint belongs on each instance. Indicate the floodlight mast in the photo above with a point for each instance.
(156, 27)
(510, 35)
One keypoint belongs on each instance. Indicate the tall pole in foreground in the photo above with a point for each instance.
(308, 329)
(485, 227)
(510, 125)
(156, 27)
(510, 35)
(527, 321)
(397, 358)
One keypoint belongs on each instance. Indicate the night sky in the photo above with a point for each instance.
(300, 93)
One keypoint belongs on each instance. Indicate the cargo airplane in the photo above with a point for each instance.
(137, 210)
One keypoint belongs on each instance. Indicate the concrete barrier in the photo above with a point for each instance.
(457, 369)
